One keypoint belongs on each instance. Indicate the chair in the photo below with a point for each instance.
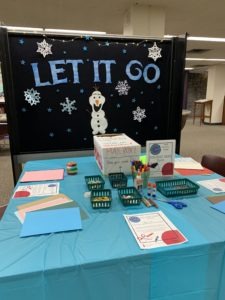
(2, 210)
(214, 163)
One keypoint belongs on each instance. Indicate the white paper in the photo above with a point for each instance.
(154, 229)
(46, 189)
(191, 165)
(215, 185)
(160, 156)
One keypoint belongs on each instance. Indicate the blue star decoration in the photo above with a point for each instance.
(155, 127)
(111, 95)
(64, 52)
(58, 90)
(141, 92)
(107, 43)
(115, 130)
(85, 48)
(159, 87)
(49, 109)
(51, 134)
(69, 130)
(87, 59)
(23, 109)
(118, 105)
(87, 37)
(21, 41)
(81, 91)
(84, 138)
(144, 45)
(124, 51)
(133, 100)
(136, 133)
(22, 62)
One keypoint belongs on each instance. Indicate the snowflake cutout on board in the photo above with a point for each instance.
(68, 106)
(154, 52)
(32, 96)
(122, 87)
(44, 48)
(139, 114)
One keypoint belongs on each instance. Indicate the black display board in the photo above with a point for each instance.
(62, 90)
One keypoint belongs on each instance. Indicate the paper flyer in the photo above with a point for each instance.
(214, 185)
(154, 229)
(160, 156)
(35, 190)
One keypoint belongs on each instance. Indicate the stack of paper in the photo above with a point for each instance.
(188, 166)
(52, 214)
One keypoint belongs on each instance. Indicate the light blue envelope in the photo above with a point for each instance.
(219, 206)
(49, 221)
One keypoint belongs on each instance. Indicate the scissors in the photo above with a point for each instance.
(177, 204)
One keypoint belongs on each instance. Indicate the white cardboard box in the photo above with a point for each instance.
(114, 152)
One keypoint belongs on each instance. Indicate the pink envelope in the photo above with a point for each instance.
(42, 175)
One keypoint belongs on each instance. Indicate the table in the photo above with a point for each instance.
(203, 103)
(103, 261)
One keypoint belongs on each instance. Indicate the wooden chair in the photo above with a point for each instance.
(2, 210)
(214, 163)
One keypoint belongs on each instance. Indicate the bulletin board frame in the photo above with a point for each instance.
(172, 120)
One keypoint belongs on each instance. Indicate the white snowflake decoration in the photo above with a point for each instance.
(68, 106)
(122, 87)
(154, 52)
(139, 114)
(32, 96)
(44, 48)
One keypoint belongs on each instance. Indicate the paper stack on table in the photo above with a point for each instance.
(52, 214)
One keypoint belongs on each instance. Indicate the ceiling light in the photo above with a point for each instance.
(206, 39)
(206, 59)
(17, 28)
(73, 31)
(189, 68)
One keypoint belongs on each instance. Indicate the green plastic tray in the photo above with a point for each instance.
(96, 200)
(118, 180)
(94, 182)
(129, 196)
(177, 187)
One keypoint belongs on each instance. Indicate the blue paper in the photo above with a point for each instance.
(49, 221)
(219, 206)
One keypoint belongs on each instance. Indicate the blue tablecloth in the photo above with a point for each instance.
(103, 261)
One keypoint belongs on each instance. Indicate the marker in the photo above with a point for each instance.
(153, 203)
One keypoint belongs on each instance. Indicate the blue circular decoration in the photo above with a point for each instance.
(134, 219)
(155, 149)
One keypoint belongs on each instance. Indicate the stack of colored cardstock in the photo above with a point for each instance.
(52, 214)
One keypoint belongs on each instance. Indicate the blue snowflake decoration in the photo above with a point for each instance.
(68, 106)
(124, 51)
(122, 87)
(22, 62)
(107, 43)
(32, 96)
(133, 100)
(21, 41)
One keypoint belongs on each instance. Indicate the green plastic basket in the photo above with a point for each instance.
(95, 182)
(129, 196)
(177, 187)
(101, 198)
(118, 180)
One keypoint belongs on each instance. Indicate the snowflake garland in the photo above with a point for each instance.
(122, 87)
(139, 114)
(44, 48)
(32, 96)
(68, 106)
(154, 52)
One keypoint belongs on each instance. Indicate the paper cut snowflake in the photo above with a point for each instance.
(68, 106)
(154, 52)
(139, 114)
(122, 87)
(32, 96)
(44, 48)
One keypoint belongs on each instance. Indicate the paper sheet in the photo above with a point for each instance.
(46, 189)
(42, 175)
(214, 185)
(153, 230)
(50, 221)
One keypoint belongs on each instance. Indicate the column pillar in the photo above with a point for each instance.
(216, 92)
(144, 20)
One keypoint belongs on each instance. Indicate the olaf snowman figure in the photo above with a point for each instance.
(98, 121)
